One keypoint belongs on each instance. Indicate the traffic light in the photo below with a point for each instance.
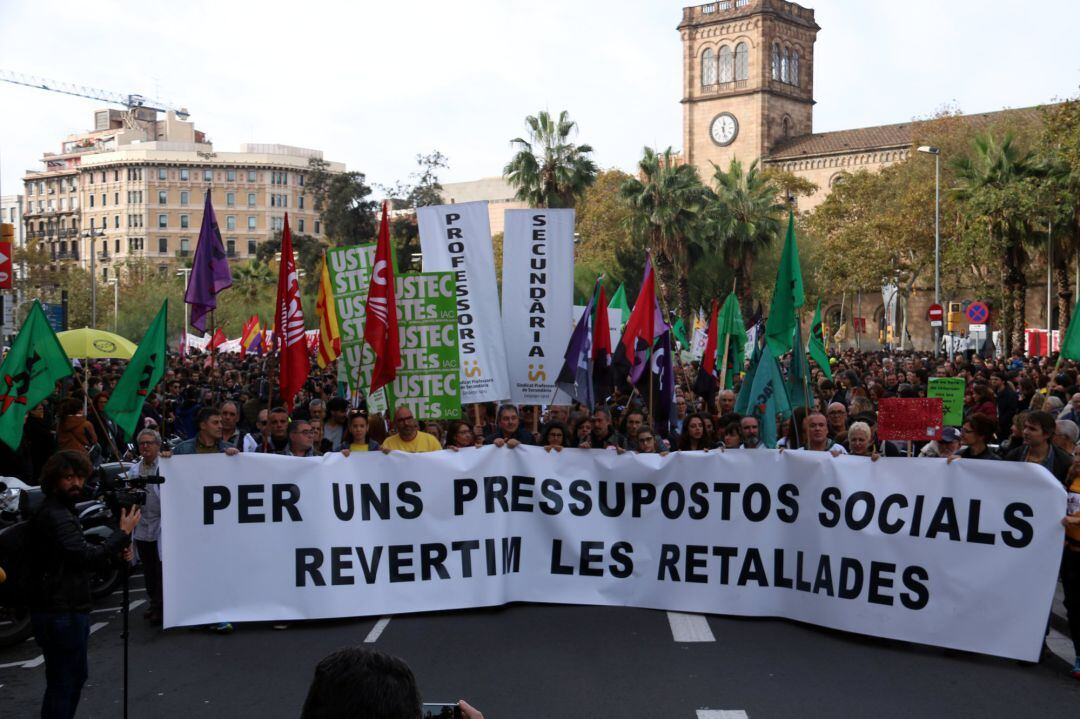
(955, 318)
(7, 232)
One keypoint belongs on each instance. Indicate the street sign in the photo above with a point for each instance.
(54, 313)
(936, 315)
(977, 328)
(5, 265)
(978, 313)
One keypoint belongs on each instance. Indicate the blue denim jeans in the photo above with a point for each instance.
(63, 638)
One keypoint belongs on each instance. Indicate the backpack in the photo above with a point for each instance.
(17, 563)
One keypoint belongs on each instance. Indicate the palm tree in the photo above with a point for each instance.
(996, 183)
(743, 221)
(548, 170)
(251, 279)
(667, 206)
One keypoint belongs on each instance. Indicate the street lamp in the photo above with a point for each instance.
(92, 235)
(115, 282)
(936, 152)
(185, 272)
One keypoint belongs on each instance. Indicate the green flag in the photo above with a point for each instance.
(742, 402)
(798, 372)
(618, 302)
(143, 373)
(817, 343)
(787, 297)
(1070, 346)
(731, 334)
(767, 397)
(29, 373)
(679, 331)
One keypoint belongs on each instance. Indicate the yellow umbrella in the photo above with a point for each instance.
(86, 343)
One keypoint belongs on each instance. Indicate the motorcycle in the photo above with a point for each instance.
(17, 501)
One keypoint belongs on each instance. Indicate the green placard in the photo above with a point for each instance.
(350, 273)
(428, 380)
(951, 392)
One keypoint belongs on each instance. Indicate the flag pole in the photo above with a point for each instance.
(727, 346)
(805, 377)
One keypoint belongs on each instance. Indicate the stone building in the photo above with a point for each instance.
(133, 188)
(748, 93)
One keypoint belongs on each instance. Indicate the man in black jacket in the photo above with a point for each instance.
(60, 601)
(1039, 448)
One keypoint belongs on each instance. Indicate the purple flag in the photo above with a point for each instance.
(209, 269)
(576, 376)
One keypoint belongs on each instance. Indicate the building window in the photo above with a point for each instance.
(301, 224)
(785, 61)
(793, 70)
(300, 180)
(251, 222)
(104, 197)
(116, 244)
(184, 246)
(116, 198)
(102, 177)
(116, 223)
(317, 230)
(208, 175)
(230, 175)
(162, 221)
(251, 199)
(300, 201)
(708, 68)
(91, 201)
(184, 197)
(230, 199)
(742, 62)
(284, 178)
(230, 248)
(727, 67)
(230, 222)
(163, 245)
(277, 224)
(162, 173)
(184, 174)
(163, 197)
(251, 247)
(183, 222)
(251, 176)
(776, 61)
(116, 175)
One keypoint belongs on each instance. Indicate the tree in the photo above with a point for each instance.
(422, 190)
(744, 219)
(1061, 145)
(548, 170)
(250, 280)
(308, 253)
(998, 184)
(667, 207)
(343, 202)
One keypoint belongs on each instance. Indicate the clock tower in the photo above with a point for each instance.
(748, 79)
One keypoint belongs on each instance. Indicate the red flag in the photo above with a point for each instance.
(217, 340)
(294, 364)
(641, 324)
(708, 360)
(381, 327)
(601, 332)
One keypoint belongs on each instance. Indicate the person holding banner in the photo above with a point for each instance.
(208, 439)
(554, 436)
(510, 432)
(1039, 428)
(976, 434)
(1070, 563)
(460, 436)
(409, 438)
(355, 438)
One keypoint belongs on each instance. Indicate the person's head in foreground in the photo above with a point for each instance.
(361, 683)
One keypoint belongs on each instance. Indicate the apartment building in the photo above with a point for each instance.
(134, 189)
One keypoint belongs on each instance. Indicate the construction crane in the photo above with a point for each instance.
(130, 101)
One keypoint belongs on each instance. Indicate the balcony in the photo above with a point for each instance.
(183, 253)
(103, 256)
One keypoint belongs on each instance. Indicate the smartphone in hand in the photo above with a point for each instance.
(440, 711)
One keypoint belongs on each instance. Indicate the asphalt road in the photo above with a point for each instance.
(527, 661)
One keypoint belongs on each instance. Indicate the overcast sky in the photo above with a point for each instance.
(373, 84)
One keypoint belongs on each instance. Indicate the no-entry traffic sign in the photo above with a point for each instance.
(936, 313)
(978, 313)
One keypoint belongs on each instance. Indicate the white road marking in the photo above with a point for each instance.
(40, 658)
(131, 607)
(690, 627)
(1061, 645)
(376, 631)
(722, 714)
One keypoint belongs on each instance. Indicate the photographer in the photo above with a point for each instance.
(60, 601)
(148, 531)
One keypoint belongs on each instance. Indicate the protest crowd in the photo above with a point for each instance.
(735, 395)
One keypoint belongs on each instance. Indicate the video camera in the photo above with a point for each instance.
(129, 492)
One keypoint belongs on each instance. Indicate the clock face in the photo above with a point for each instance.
(724, 129)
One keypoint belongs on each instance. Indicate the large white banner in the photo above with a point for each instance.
(538, 300)
(962, 555)
(457, 238)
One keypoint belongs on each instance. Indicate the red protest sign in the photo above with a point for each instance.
(918, 420)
